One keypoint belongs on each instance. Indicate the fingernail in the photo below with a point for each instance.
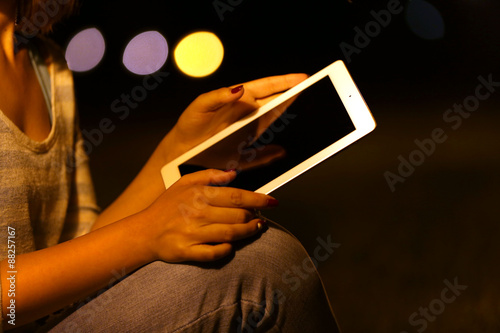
(272, 202)
(261, 224)
(229, 170)
(237, 89)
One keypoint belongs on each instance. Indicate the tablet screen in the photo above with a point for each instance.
(298, 129)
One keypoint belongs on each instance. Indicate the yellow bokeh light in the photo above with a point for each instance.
(199, 54)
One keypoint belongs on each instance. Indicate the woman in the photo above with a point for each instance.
(65, 251)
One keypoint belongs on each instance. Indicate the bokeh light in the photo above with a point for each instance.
(146, 53)
(85, 50)
(199, 54)
(424, 20)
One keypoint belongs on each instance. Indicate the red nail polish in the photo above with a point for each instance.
(272, 202)
(237, 89)
(229, 170)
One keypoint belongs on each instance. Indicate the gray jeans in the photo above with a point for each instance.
(252, 291)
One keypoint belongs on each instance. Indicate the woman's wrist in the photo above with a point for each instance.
(138, 237)
(172, 146)
(143, 224)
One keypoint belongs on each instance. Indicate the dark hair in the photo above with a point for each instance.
(39, 16)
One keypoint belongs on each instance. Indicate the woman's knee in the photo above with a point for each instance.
(287, 290)
(281, 258)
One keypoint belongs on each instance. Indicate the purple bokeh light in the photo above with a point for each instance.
(146, 53)
(85, 50)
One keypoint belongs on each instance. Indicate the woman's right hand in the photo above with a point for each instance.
(196, 219)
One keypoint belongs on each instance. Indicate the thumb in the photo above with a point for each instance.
(216, 99)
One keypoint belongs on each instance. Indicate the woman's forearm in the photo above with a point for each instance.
(49, 279)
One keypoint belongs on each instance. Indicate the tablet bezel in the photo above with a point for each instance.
(351, 98)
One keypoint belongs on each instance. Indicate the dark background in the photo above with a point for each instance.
(397, 247)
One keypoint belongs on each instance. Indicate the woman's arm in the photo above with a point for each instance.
(178, 226)
(52, 278)
(204, 117)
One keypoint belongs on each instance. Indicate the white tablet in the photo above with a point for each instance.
(304, 126)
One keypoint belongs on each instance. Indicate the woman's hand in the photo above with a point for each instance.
(213, 111)
(205, 116)
(196, 220)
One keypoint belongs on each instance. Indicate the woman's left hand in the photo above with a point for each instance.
(211, 112)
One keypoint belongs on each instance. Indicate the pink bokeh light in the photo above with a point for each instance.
(85, 50)
(146, 53)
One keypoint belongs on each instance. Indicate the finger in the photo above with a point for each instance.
(227, 233)
(208, 177)
(227, 215)
(263, 101)
(249, 103)
(206, 252)
(215, 99)
(237, 198)
(257, 93)
(268, 86)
